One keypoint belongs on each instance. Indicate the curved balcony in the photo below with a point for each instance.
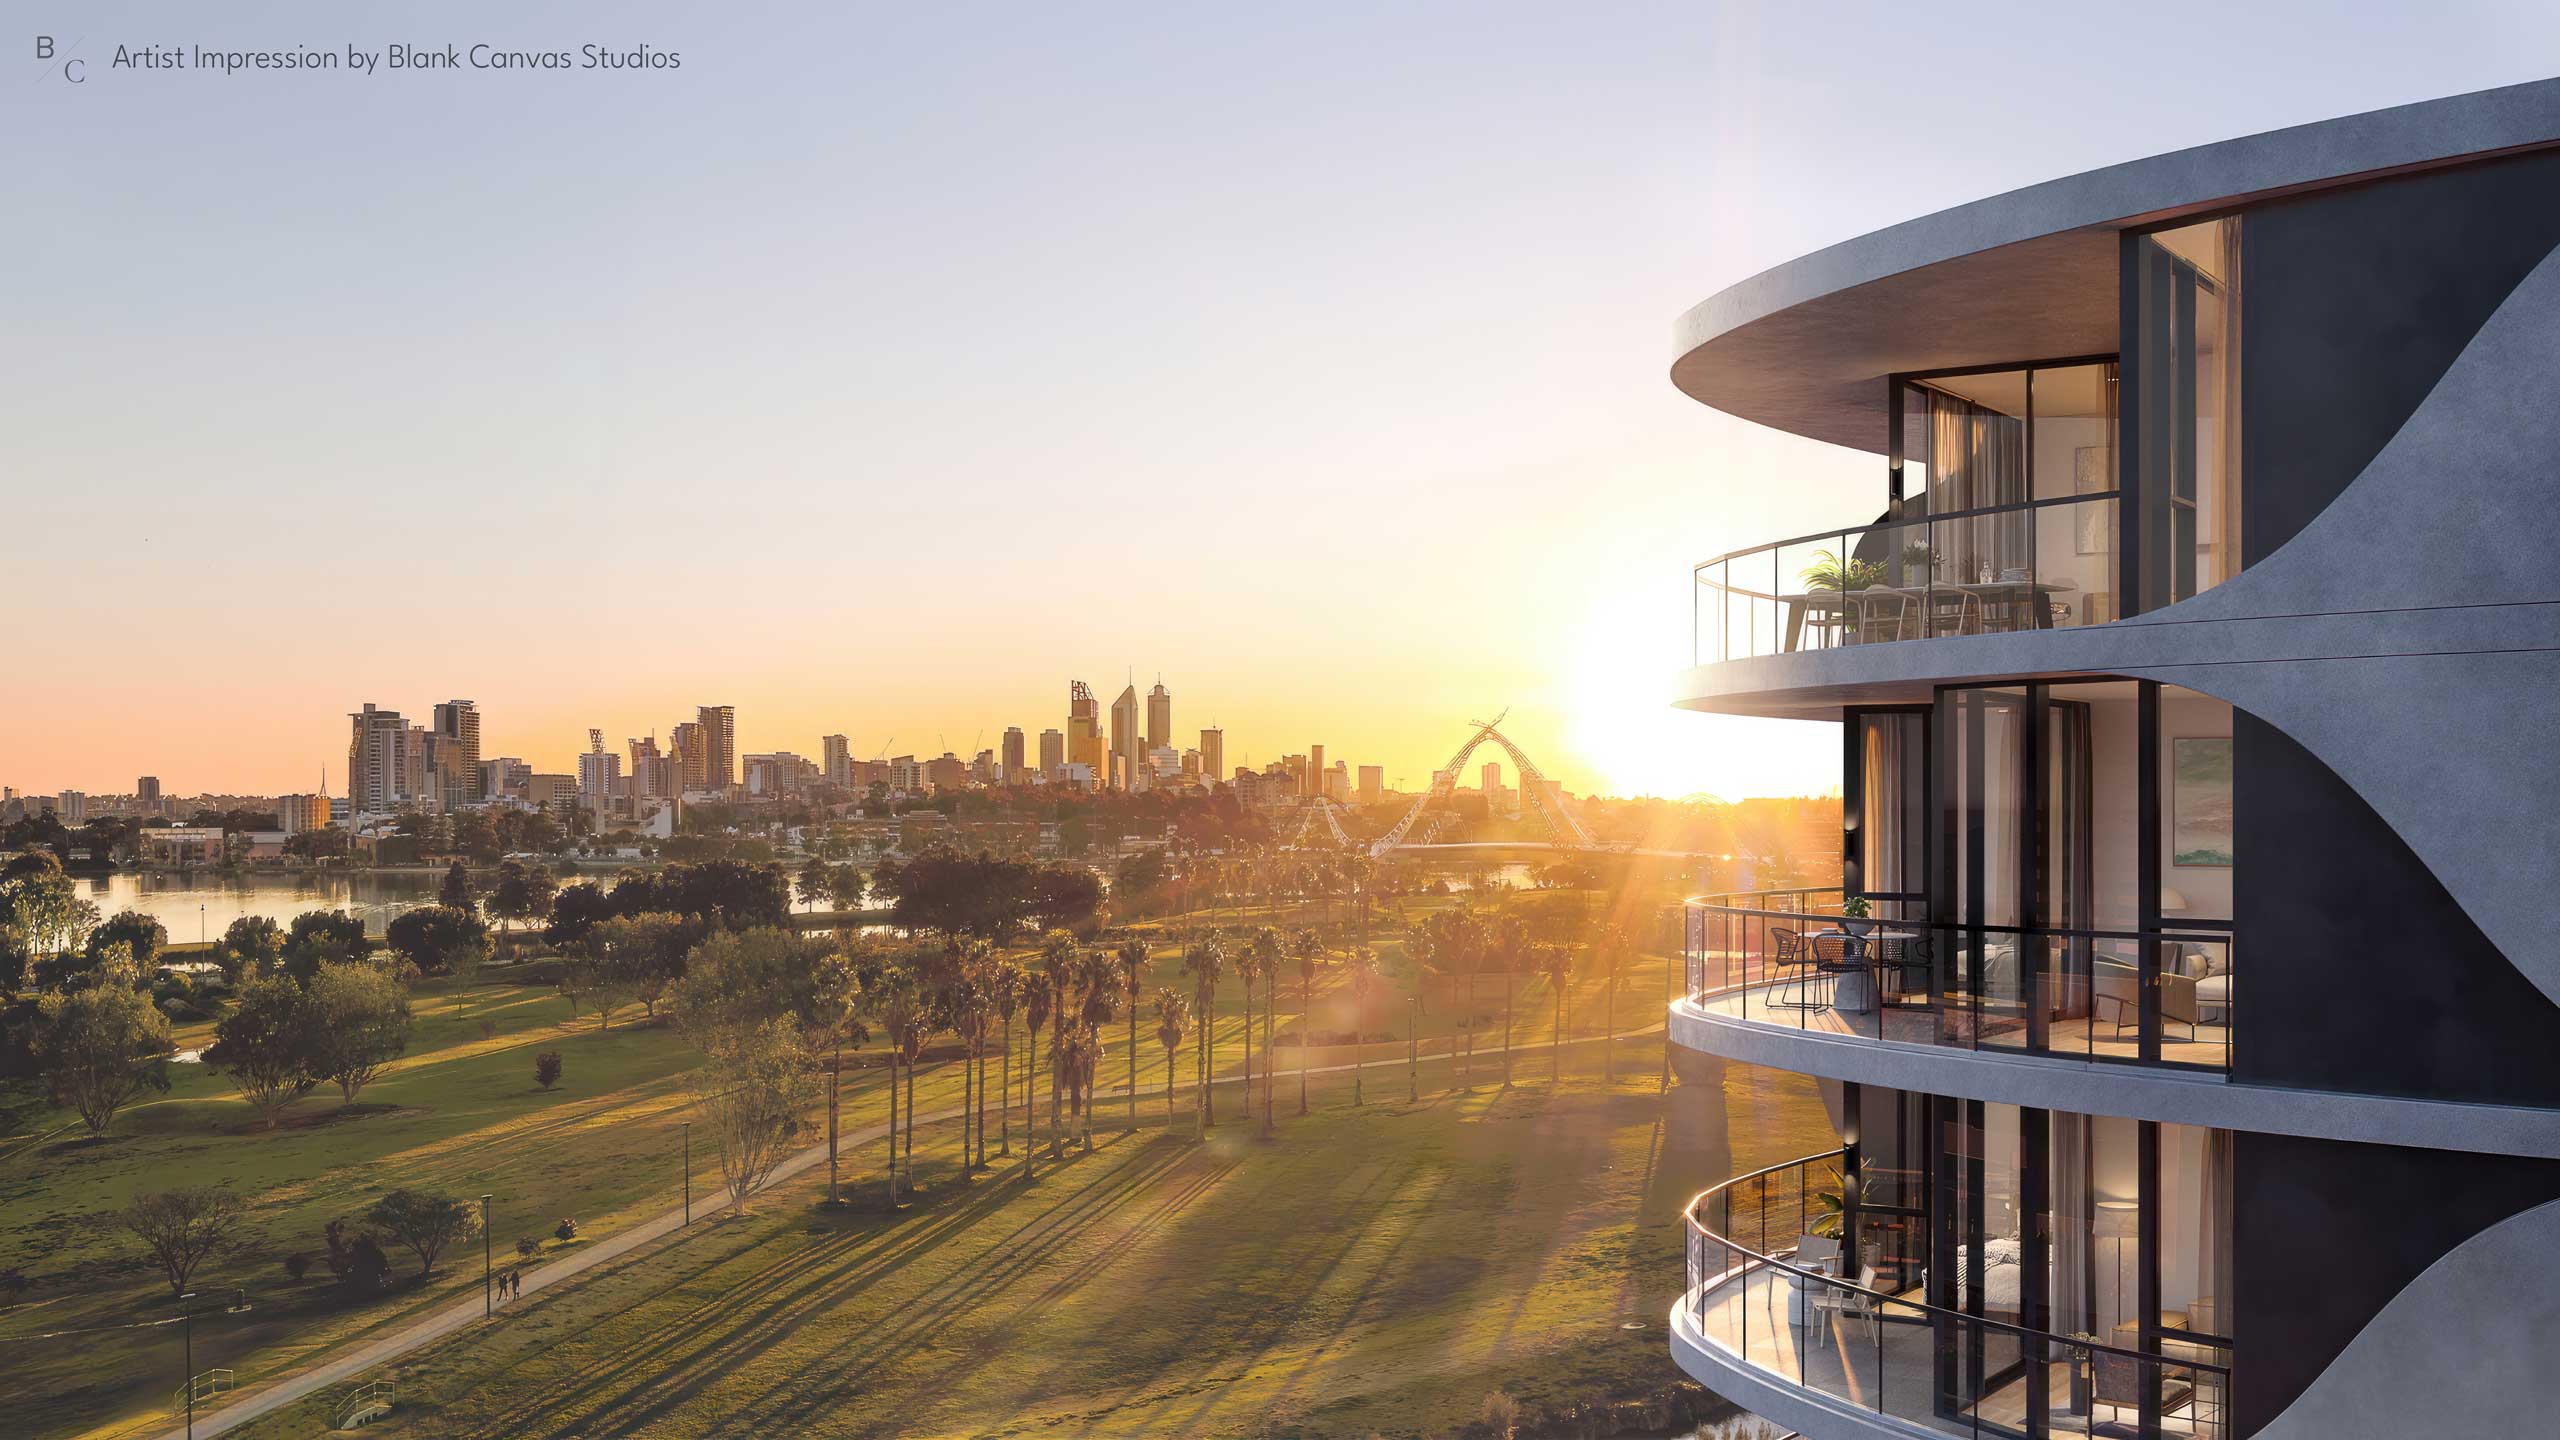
(1764, 1322)
(1797, 959)
(2037, 565)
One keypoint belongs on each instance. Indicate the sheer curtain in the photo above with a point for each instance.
(1977, 459)
(2074, 1311)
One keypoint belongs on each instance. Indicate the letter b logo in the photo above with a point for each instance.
(44, 47)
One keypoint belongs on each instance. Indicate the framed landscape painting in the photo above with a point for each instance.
(2200, 802)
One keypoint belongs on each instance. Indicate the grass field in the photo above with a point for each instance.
(1379, 1269)
(460, 1113)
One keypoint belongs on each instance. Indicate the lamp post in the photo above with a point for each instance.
(187, 1317)
(688, 1172)
(488, 1265)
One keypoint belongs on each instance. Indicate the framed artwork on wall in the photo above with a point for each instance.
(2200, 802)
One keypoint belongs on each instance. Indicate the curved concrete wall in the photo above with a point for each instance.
(2464, 1350)
(2130, 1091)
(2409, 636)
(1808, 1412)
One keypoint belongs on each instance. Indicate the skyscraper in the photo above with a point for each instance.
(1213, 753)
(1013, 755)
(720, 741)
(837, 756)
(1159, 716)
(1084, 728)
(146, 795)
(1373, 784)
(691, 757)
(1124, 735)
(1312, 782)
(378, 759)
(458, 721)
(1492, 785)
(1053, 753)
(652, 774)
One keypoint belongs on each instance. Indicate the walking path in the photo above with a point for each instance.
(264, 1400)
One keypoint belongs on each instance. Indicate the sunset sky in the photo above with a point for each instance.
(884, 368)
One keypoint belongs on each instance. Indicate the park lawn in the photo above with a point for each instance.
(459, 1113)
(1372, 1269)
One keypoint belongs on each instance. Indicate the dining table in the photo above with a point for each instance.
(1861, 946)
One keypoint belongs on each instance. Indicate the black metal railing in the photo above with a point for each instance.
(1890, 1352)
(2033, 565)
(1796, 958)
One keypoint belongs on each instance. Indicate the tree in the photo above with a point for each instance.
(323, 937)
(456, 889)
(1309, 953)
(425, 1221)
(1557, 962)
(182, 1227)
(1064, 897)
(546, 1068)
(1249, 963)
(1173, 1019)
(1040, 997)
(359, 1023)
(576, 910)
(137, 932)
(1132, 960)
(846, 886)
(1072, 1058)
(644, 955)
(1205, 960)
(1614, 945)
(99, 1049)
(901, 1007)
(266, 1045)
(817, 882)
(251, 945)
(428, 935)
(1010, 984)
(1363, 966)
(522, 892)
(1508, 944)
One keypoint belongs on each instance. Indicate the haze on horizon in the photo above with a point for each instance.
(880, 371)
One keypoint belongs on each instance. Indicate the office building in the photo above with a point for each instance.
(146, 796)
(72, 808)
(1311, 777)
(1159, 716)
(599, 779)
(458, 722)
(689, 752)
(1124, 738)
(835, 754)
(1373, 784)
(1053, 752)
(1084, 728)
(1013, 757)
(2207, 533)
(720, 745)
(1213, 753)
(505, 778)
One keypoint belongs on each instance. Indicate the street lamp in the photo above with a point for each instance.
(488, 1266)
(1413, 1046)
(187, 1315)
(688, 1172)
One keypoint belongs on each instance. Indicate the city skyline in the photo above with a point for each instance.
(964, 404)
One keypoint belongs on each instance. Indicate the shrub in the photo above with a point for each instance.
(566, 1230)
(528, 1247)
(13, 1282)
(295, 1264)
(546, 1069)
(488, 1028)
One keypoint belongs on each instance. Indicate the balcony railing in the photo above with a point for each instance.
(2036, 565)
(1883, 1348)
(1795, 958)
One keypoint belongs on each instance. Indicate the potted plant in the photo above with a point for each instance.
(1856, 915)
(1830, 572)
(1919, 563)
(2076, 1348)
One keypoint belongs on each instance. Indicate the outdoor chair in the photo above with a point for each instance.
(1787, 953)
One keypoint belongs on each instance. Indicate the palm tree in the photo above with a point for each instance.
(1510, 946)
(1364, 975)
(1249, 969)
(1040, 998)
(1006, 984)
(901, 1003)
(1098, 980)
(1557, 961)
(1060, 961)
(1205, 960)
(1132, 956)
(1613, 945)
(1309, 953)
(1267, 952)
(1173, 1017)
(1071, 1063)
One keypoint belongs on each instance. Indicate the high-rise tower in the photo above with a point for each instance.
(1159, 716)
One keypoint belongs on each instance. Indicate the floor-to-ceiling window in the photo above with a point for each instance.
(2185, 352)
